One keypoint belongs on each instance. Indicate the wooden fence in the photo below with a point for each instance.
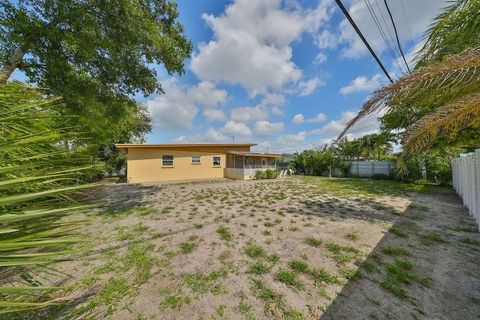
(466, 181)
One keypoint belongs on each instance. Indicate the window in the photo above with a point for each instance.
(216, 161)
(195, 159)
(167, 160)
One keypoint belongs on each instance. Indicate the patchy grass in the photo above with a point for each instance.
(396, 251)
(431, 239)
(290, 279)
(314, 242)
(224, 233)
(299, 265)
(343, 254)
(400, 273)
(275, 306)
(254, 251)
(259, 268)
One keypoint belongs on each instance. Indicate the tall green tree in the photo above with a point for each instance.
(438, 105)
(95, 54)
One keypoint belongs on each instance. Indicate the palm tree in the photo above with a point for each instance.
(37, 180)
(439, 103)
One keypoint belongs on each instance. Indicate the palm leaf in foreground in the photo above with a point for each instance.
(38, 180)
(446, 123)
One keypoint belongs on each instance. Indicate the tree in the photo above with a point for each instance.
(95, 54)
(438, 105)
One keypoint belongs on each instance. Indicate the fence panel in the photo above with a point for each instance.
(466, 181)
(363, 168)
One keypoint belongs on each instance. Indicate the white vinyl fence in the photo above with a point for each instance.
(466, 181)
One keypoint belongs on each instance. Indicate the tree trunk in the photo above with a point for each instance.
(12, 64)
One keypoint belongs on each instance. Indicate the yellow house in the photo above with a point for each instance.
(169, 162)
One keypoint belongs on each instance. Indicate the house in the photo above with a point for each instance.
(169, 162)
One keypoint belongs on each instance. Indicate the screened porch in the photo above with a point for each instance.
(244, 165)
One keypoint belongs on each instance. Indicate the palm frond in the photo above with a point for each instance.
(453, 30)
(38, 177)
(447, 122)
(426, 88)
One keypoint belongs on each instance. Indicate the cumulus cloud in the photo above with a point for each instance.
(214, 114)
(233, 128)
(252, 44)
(333, 128)
(308, 87)
(300, 118)
(177, 108)
(289, 141)
(266, 128)
(249, 114)
(362, 83)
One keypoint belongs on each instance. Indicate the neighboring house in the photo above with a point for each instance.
(168, 162)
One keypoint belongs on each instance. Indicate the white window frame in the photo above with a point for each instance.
(166, 162)
(199, 160)
(219, 161)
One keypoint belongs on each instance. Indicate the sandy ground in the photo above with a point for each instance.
(224, 250)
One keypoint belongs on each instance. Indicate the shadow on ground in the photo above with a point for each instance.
(425, 267)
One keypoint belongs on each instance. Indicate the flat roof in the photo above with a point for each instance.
(254, 154)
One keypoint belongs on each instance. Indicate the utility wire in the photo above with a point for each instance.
(396, 35)
(406, 20)
(387, 26)
(347, 15)
(389, 46)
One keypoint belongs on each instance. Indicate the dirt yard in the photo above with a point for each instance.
(297, 248)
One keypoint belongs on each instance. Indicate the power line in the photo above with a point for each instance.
(371, 10)
(406, 20)
(347, 15)
(396, 35)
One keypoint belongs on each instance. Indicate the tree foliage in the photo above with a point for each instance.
(437, 106)
(37, 180)
(95, 54)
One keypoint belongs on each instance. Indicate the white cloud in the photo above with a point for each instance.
(300, 118)
(308, 87)
(418, 13)
(320, 58)
(249, 114)
(332, 129)
(233, 128)
(327, 39)
(177, 108)
(212, 114)
(362, 83)
(251, 45)
(318, 118)
(289, 141)
(207, 94)
(266, 128)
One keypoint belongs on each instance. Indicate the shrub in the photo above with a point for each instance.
(271, 174)
(260, 175)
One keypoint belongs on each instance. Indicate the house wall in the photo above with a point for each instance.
(145, 164)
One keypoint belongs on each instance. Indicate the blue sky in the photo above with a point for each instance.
(286, 74)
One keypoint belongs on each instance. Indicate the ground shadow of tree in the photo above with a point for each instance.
(425, 267)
